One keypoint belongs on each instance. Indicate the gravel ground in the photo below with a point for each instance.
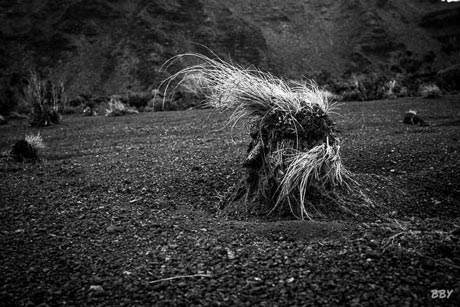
(124, 212)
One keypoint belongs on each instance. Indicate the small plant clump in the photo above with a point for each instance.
(27, 149)
(45, 99)
(411, 118)
(293, 160)
(118, 108)
(361, 87)
(430, 91)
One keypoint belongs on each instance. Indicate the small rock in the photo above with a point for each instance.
(96, 288)
(230, 254)
(112, 229)
(96, 279)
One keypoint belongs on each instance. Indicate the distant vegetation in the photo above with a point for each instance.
(44, 100)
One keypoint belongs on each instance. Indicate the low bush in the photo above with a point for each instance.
(163, 105)
(79, 101)
(360, 87)
(118, 108)
(352, 95)
(139, 100)
(367, 87)
(430, 91)
(67, 110)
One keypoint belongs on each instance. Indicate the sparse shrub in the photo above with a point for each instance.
(361, 87)
(44, 98)
(27, 149)
(371, 85)
(117, 108)
(139, 100)
(352, 95)
(79, 101)
(430, 91)
(164, 105)
(67, 110)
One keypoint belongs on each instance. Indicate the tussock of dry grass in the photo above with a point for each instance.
(294, 149)
(430, 91)
(117, 108)
(249, 92)
(35, 141)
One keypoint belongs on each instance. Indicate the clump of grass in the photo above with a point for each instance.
(27, 149)
(412, 118)
(430, 91)
(35, 141)
(117, 108)
(293, 158)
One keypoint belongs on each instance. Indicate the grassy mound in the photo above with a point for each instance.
(293, 160)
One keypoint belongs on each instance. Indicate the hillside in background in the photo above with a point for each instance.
(113, 46)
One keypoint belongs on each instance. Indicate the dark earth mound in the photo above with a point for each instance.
(124, 212)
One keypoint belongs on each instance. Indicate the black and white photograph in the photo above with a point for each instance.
(229, 153)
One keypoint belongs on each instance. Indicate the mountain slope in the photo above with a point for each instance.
(111, 46)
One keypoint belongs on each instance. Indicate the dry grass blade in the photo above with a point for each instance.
(179, 277)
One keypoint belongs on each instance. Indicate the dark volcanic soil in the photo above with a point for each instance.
(123, 212)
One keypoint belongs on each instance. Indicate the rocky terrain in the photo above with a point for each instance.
(111, 46)
(123, 211)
